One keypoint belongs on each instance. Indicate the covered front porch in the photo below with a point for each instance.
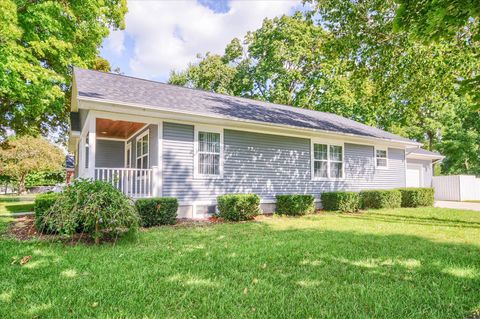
(121, 151)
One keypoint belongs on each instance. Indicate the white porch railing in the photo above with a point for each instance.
(133, 182)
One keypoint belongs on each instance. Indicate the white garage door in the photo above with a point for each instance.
(414, 175)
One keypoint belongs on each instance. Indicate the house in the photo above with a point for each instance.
(153, 139)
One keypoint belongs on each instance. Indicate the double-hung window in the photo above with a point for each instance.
(142, 150)
(208, 152)
(327, 161)
(381, 158)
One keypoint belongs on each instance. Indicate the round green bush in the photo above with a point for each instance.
(381, 198)
(295, 205)
(238, 207)
(92, 207)
(346, 202)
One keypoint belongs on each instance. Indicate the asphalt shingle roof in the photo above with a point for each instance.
(422, 151)
(120, 88)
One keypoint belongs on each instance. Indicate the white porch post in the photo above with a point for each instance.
(92, 141)
(157, 171)
(81, 156)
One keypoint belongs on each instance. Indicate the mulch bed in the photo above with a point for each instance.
(23, 228)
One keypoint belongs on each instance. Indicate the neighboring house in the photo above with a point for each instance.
(155, 139)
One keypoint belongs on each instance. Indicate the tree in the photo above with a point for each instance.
(20, 156)
(437, 20)
(344, 58)
(40, 41)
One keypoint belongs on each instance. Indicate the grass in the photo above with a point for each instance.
(16, 204)
(404, 263)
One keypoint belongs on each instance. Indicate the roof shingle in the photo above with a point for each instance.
(125, 89)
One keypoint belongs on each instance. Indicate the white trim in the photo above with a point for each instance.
(379, 148)
(209, 129)
(147, 155)
(195, 117)
(158, 178)
(312, 159)
(92, 143)
(112, 139)
(128, 146)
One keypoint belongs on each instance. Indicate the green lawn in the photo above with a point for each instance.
(404, 263)
(16, 204)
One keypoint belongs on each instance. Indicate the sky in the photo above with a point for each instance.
(165, 35)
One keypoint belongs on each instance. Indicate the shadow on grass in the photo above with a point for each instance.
(254, 270)
(18, 208)
(405, 219)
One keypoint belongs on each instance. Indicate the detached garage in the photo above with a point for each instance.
(419, 168)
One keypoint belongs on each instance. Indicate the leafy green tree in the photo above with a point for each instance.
(20, 156)
(39, 43)
(437, 20)
(344, 58)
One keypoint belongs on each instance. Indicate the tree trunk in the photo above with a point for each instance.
(21, 185)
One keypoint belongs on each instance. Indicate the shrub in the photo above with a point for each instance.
(341, 201)
(416, 197)
(157, 211)
(391, 198)
(94, 207)
(295, 205)
(237, 207)
(41, 207)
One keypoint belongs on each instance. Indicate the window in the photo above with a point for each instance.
(208, 152)
(381, 158)
(327, 161)
(142, 150)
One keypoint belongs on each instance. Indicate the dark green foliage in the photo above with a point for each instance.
(380, 198)
(41, 207)
(346, 202)
(237, 207)
(95, 207)
(45, 178)
(295, 205)
(417, 197)
(157, 211)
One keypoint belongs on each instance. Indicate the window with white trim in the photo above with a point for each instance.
(381, 158)
(327, 161)
(209, 153)
(142, 150)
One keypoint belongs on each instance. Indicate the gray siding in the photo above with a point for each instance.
(110, 153)
(267, 165)
(426, 170)
(153, 145)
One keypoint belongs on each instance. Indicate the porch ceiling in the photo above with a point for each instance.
(117, 129)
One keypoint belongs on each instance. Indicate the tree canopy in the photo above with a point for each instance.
(344, 57)
(20, 156)
(39, 43)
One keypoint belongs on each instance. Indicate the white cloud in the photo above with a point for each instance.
(115, 41)
(167, 35)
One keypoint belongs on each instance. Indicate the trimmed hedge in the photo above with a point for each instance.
(237, 207)
(295, 205)
(417, 197)
(381, 198)
(41, 207)
(157, 211)
(342, 201)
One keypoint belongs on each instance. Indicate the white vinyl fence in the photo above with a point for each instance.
(456, 187)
